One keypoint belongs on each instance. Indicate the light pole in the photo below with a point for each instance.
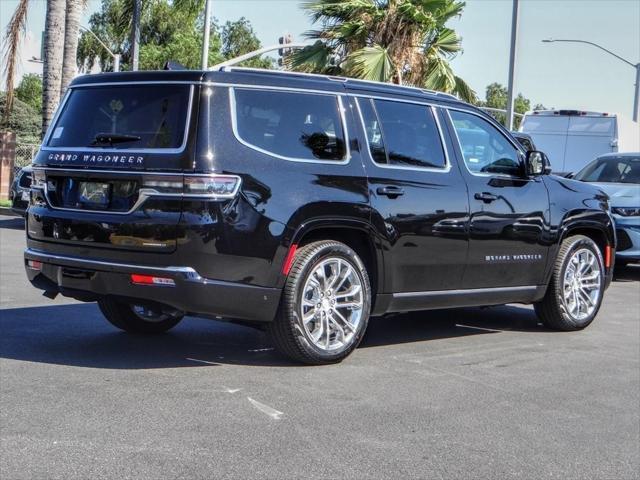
(115, 56)
(206, 34)
(512, 63)
(636, 98)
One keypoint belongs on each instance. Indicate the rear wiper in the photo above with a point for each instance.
(110, 139)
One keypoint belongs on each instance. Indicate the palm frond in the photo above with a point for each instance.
(13, 37)
(369, 63)
(446, 42)
(439, 76)
(315, 58)
(464, 91)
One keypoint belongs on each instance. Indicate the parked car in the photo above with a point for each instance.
(618, 174)
(571, 138)
(524, 140)
(20, 191)
(302, 204)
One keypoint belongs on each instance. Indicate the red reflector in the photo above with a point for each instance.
(151, 280)
(288, 262)
(607, 256)
(34, 264)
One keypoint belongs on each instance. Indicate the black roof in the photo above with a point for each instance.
(264, 77)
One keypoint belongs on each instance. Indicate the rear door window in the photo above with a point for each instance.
(123, 117)
(290, 125)
(407, 132)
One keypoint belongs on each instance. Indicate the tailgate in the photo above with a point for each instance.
(103, 209)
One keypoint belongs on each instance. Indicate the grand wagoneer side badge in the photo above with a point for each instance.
(513, 258)
(91, 159)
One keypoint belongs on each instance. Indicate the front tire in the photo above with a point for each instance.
(136, 318)
(575, 293)
(325, 305)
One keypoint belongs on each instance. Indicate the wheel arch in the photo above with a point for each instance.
(602, 233)
(356, 234)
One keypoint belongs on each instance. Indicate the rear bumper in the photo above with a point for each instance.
(89, 280)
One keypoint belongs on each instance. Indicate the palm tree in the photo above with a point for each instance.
(71, 32)
(53, 55)
(60, 43)
(400, 41)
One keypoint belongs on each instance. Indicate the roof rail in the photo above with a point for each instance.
(230, 65)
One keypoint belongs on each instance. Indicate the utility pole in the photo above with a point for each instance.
(135, 34)
(636, 97)
(512, 63)
(206, 35)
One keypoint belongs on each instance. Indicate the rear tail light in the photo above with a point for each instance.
(39, 178)
(138, 279)
(34, 264)
(212, 186)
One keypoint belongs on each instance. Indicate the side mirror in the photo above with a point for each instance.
(536, 164)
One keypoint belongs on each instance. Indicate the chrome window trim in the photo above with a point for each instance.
(180, 149)
(445, 169)
(482, 174)
(341, 112)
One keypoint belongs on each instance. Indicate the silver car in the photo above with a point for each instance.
(618, 174)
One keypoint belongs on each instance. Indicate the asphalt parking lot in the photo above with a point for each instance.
(469, 393)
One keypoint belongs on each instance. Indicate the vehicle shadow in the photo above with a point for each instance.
(629, 273)
(12, 223)
(78, 335)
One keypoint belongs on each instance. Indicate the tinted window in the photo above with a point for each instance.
(410, 134)
(145, 116)
(614, 170)
(293, 125)
(372, 130)
(484, 148)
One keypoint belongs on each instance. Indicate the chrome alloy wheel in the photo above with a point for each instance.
(332, 303)
(582, 284)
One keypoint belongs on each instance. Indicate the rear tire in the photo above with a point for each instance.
(325, 305)
(575, 293)
(136, 319)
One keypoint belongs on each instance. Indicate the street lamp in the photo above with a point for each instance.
(115, 56)
(636, 98)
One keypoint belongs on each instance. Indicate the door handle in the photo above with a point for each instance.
(486, 197)
(390, 191)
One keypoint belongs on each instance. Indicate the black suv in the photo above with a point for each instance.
(302, 204)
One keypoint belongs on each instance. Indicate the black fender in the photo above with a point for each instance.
(342, 225)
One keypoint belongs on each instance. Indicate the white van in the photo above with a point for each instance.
(572, 138)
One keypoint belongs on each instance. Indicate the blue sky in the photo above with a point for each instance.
(557, 75)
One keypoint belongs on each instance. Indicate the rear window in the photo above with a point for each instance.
(294, 126)
(123, 117)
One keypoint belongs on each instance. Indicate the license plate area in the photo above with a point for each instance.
(91, 193)
(94, 195)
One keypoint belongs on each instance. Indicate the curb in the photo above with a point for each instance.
(7, 211)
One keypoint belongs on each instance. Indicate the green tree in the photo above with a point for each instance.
(496, 97)
(400, 41)
(30, 91)
(23, 119)
(239, 38)
(169, 30)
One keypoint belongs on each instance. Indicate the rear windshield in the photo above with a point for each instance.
(123, 117)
